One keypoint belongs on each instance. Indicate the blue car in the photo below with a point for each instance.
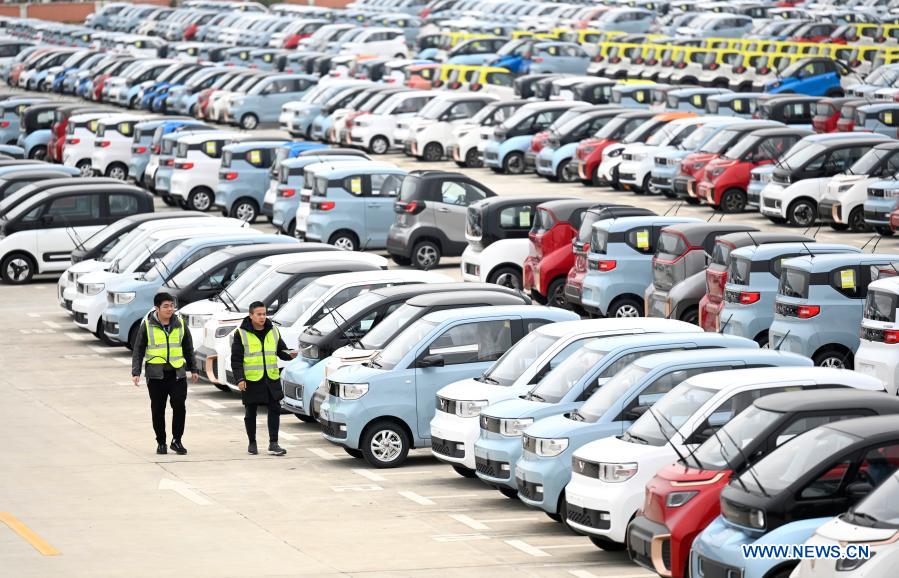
(619, 264)
(130, 297)
(820, 304)
(142, 149)
(161, 175)
(529, 56)
(263, 102)
(68, 70)
(554, 159)
(154, 96)
(182, 99)
(810, 76)
(380, 410)
(544, 468)
(322, 123)
(244, 176)
(505, 150)
(10, 117)
(564, 390)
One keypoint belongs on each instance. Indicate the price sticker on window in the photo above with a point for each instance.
(643, 239)
(888, 118)
(640, 96)
(697, 100)
(93, 125)
(267, 57)
(525, 219)
(255, 157)
(356, 185)
(244, 55)
(738, 105)
(847, 279)
(211, 148)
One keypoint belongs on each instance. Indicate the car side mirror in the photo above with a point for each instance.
(634, 413)
(858, 490)
(46, 219)
(431, 361)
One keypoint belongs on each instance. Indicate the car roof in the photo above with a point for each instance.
(528, 311)
(505, 201)
(233, 233)
(253, 144)
(564, 208)
(625, 223)
(611, 342)
(832, 260)
(347, 168)
(772, 250)
(377, 275)
(710, 380)
(829, 399)
(745, 238)
(867, 428)
(782, 130)
(200, 137)
(238, 251)
(697, 232)
(614, 325)
(466, 293)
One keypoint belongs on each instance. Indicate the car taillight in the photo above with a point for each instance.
(475, 87)
(764, 70)
(102, 143)
(681, 65)
(230, 176)
(322, 205)
(4, 123)
(287, 193)
(140, 150)
(606, 265)
(749, 297)
(184, 166)
(73, 140)
(891, 336)
(807, 311)
(169, 163)
(538, 59)
(413, 207)
(713, 66)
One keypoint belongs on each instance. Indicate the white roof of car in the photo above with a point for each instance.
(764, 376)
(617, 325)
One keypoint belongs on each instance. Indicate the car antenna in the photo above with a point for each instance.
(721, 330)
(781, 342)
(810, 254)
(818, 230)
(667, 439)
(712, 216)
(673, 205)
(751, 238)
(877, 242)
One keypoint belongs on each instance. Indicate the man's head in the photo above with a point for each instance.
(165, 306)
(257, 313)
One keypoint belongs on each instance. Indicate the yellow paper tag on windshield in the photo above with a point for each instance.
(211, 147)
(847, 279)
(888, 117)
(356, 185)
(244, 55)
(640, 96)
(642, 239)
(697, 100)
(525, 219)
(738, 105)
(255, 157)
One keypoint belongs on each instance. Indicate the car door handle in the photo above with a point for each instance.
(443, 210)
(374, 205)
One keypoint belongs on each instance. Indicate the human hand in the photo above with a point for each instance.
(194, 377)
(293, 354)
(242, 386)
(136, 380)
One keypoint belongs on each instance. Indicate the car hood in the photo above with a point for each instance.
(514, 408)
(87, 266)
(557, 426)
(350, 354)
(202, 307)
(840, 531)
(126, 282)
(357, 374)
(95, 276)
(679, 473)
(468, 389)
(612, 449)
(672, 153)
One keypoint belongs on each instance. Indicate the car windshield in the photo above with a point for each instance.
(564, 376)
(665, 134)
(726, 449)
(103, 237)
(402, 344)
(483, 113)
(340, 315)
(880, 508)
(719, 142)
(671, 244)
(299, 303)
(742, 147)
(642, 131)
(167, 265)
(516, 360)
(807, 153)
(381, 333)
(611, 392)
(617, 127)
(247, 278)
(739, 270)
(566, 118)
(673, 410)
(881, 306)
(201, 268)
(869, 161)
(600, 242)
(434, 109)
(804, 454)
(699, 136)
(794, 283)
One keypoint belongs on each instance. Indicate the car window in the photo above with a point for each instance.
(453, 193)
(463, 110)
(773, 147)
(828, 483)
(517, 217)
(641, 239)
(846, 281)
(122, 205)
(215, 280)
(841, 159)
(473, 342)
(385, 185)
(806, 423)
(73, 208)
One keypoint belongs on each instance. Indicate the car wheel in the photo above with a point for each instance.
(249, 121)
(17, 269)
(425, 255)
(432, 153)
(84, 167)
(401, 261)
(606, 544)
(733, 201)
(594, 178)
(644, 188)
(355, 453)
(802, 213)
(834, 357)
(117, 171)
(626, 307)
(691, 315)
(465, 472)
(133, 102)
(379, 145)
(856, 219)
(692, 200)
(344, 240)
(762, 339)
(555, 294)
(385, 445)
(513, 164)
(509, 493)
(883, 231)
(38, 153)
(245, 210)
(168, 200)
(292, 228)
(565, 173)
(304, 418)
(473, 159)
(839, 226)
(507, 277)
(200, 200)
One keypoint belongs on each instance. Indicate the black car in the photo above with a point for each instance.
(23, 194)
(12, 182)
(789, 109)
(524, 85)
(496, 218)
(208, 276)
(594, 91)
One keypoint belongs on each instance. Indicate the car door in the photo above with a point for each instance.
(455, 196)
(380, 191)
(466, 349)
(65, 221)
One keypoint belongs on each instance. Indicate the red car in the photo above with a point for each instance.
(894, 220)
(681, 500)
(725, 180)
(588, 154)
(551, 257)
(848, 116)
(827, 113)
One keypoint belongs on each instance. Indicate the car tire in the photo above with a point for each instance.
(834, 357)
(117, 171)
(473, 159)
(346, 240)
(432, 153)
(292, 228)
(883, 231)
(626, 307)
(305, 418)
(564, 174)
(555, 294)
(385, 444)
(401, 261)
(732, 201)
(249, 121)
(762, 339)
(513, 164)
(465, 472)
(425, 255)
(802, 213)
(17, 268)
(509, 493)
(200, 199)
(245, 210)
(691, 315)
(84, 167)
(839, 226)
(606, 544)
(379, 145)
(506, 277)
(169, 201)
(691, 200)
(354, 453)
(38, 153)
(856, 221)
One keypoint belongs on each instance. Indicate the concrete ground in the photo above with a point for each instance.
(84, 494)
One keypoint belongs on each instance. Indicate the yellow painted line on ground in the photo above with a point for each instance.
(28, 534)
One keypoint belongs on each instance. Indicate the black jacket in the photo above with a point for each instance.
(256, 390)
(155, 370)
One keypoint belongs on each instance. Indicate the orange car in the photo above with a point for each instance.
(423, 76)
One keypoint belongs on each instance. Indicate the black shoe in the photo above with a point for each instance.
(252, 448)
(275, 449)
(178, 448)
(160, 449)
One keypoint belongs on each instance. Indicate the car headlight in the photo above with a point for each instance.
(587, 150)
(548, 447)
(715, 173)
(123, 298)
(513, 427)
(615, 153)
(638, 157)
(93, 288)
(73, 277)
(850, 564)
(224, 330)
(678, 499)
(699, 165)
(197, 320)
(237, 102)
(353, 390)
(844, 188)
(309, 351)
(470, 408)
(757, 518)
(616, 473)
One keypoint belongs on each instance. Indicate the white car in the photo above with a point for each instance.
(482, 265)
(520, 369)
(876, 355)
(378, 42)
(79, 146)
(195, 174)
(376, 132)
(843, 201)
(432, 129)
(607, 170)
(112, 145)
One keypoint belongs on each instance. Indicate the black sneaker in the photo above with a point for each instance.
(275, 449)
(178, 448)
(252, 448)
(161, 450)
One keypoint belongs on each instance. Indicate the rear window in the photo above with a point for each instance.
(738, 271)
(881, 306)
(409, 190)
(517, 217)
(794, 283)
(226, 159)
(543, 221)
(600, 242)
(671, 245)
(640, 239)
(721, 253)
(823, 109)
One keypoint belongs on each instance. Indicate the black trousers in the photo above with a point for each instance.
(274, 419)
(173, 390)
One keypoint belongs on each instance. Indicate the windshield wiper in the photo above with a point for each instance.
(637, 438)
(373, 363)
(313, 330)
(863, 516)
(487, 379)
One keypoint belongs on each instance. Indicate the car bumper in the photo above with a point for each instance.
(878, 360)
(598, 509)
(458, 434)
(342, 421)
(540, 481)
(495, 458)
(649, 545)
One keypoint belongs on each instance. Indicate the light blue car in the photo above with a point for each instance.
(130, 297)
(351, 206)
(565, 389)
(881, 201)
(142, 148)
(505, 149)
(322, 123)
(619, 264)
(476, 51)
(380, 410)
(666, 161)
(311, 104)
(820, 303)
(183, 99)
(882, 118)
(554, 159)
(630, 20)
(244, 176)
(262, 104)
(544, 468)
(11, 115)
(752, 279)
(692, 99)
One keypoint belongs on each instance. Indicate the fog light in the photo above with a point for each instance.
(343, 428)
(539, 489)
(605, 517)
(504, 467)
(460, 447)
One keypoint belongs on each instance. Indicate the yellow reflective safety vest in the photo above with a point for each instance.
(164, 348)
(260, 357)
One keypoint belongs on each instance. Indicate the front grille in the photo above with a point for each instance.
(529, 490)
(627, 157)
(597, 519)
(752, 197)
(660, 161)
(110, 327)
(332, 429)
(490, 424)
(660, 181)
(292, 390)
(585, 468)
(529, 443)
(711, 569)
(490, 156)
(627, 177)
(493, 468)
(877, 193)
(545, 163)
(67, 303)
(446, 448)
(446, 405)
(680, 186)
(786, 309)
(755, 177)
(877, 216)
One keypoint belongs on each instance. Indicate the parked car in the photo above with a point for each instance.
(433, 127)
(263, 102)
(815, 76)
(194, 176)
(844, 203)
(554, 160)
(589, 152)
(375, 132)
(243, 177)
(468, 140)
